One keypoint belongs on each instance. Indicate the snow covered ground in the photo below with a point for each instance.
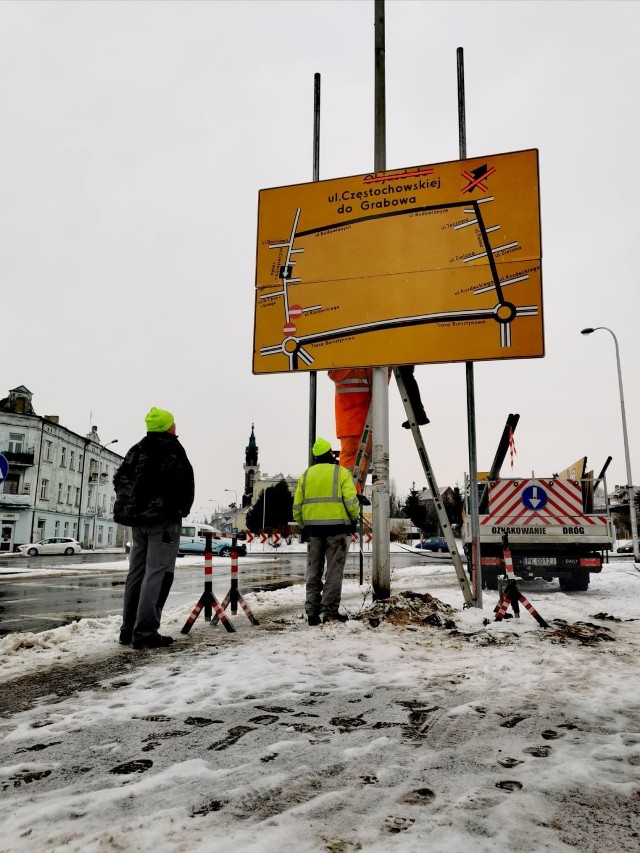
(413, 726)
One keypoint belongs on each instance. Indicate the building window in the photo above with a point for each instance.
(48, 449)
(80, 460)
(110, 536)
(100, 534)
(75, 529)
(56, 529)
(44, 490)
(60, 487)
(66, 528)
(69, 494)
(10, 485)
(77, 496)
(72, 460)
(41, 526)
(16, 442)
(63, 457)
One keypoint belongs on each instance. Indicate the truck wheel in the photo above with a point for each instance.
(575, 583)
(581, 582)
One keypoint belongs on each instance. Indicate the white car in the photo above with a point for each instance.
(54, 545)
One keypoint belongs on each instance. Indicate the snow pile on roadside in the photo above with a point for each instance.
(396, 737)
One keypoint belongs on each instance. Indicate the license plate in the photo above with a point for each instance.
(538, 561)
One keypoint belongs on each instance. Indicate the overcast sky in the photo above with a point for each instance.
(135, 138)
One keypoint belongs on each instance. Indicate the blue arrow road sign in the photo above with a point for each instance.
(534, 497)
(4, 468)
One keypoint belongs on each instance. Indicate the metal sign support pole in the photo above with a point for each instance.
(381, 561)
(471, 404)
(313, 374)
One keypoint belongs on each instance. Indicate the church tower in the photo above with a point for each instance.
(251, 468)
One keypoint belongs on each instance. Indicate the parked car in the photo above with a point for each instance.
(433, 543)
(625, 548)
(219, 547)
(55, 545)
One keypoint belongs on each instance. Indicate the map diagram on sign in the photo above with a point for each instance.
(428, 264)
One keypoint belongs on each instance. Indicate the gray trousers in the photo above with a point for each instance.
(149, 560)
(325, 598)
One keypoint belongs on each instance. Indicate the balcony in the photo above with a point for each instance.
(15, 501)
(21, 459)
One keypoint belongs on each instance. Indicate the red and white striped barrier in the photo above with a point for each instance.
(207, 600)
(234, 596)
(512, 595)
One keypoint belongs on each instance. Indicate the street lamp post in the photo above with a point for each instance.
(95, 517)
(630, 492)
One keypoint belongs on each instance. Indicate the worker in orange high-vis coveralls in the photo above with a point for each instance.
(352, 401)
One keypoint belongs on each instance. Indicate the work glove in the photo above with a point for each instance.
(353, 527)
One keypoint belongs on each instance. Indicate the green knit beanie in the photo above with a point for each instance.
(321, 447)
(158, 420)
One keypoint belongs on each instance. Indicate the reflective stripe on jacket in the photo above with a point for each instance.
(325, 496)
(352, 399)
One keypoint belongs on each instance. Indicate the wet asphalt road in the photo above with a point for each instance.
(32, 603)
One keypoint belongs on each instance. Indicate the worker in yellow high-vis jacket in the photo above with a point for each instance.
(326, 507)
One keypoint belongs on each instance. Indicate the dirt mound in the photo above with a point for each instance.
(410, 608)
(586, 633)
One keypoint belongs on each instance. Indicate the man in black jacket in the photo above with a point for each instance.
(154, 492)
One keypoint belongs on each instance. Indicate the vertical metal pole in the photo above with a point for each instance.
(208, 575)
(381, 571)
(233, 592)
(313, 374)
(630, 492)
(471, 402)
(361, 540)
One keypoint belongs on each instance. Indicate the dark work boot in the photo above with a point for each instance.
(421, 420)
(335, 617)
(313, 619)
(152, 641)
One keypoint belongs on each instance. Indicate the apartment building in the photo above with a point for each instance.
(59, 483)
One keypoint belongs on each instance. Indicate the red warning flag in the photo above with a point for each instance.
(512, 446)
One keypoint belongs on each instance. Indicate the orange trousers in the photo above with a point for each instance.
(349, 445)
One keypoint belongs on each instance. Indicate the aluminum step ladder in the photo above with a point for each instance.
(361, 468)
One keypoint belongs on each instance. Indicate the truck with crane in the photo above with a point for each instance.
(557, 527)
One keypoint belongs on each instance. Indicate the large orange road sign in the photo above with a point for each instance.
(428, 264)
